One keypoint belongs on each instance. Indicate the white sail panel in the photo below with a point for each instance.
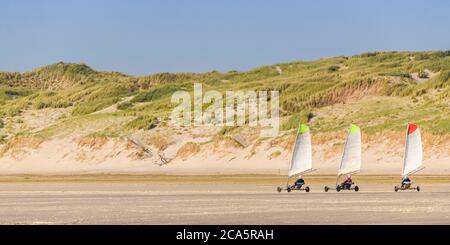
(413, 150)
(351, 158)
(302, 157)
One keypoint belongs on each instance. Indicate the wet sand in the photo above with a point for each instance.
(245, 199)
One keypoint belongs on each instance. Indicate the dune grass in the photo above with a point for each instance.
(375, 90)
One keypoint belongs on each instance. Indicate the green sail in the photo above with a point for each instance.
(303, 128)
(354, 129)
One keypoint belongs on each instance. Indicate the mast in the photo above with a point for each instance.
(406, 149)
(295, 143)
(342, 157)
(343, 153)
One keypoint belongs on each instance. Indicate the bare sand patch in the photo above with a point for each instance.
(236, 199)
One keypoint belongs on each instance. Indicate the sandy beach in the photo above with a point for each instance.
(233, 199)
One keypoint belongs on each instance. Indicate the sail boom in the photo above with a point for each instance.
(302, 172)
(351, 172)
(415, 170)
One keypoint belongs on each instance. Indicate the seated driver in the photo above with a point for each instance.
(300, 182)
(406, 181)
(348, 182)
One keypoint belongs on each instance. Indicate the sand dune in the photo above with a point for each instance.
(72, 155)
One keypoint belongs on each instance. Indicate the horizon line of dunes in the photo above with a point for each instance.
(380, 91)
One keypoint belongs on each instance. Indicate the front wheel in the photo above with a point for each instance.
(288, 189)
(326, 189)
(418, 188)
(356, 188)
(396, 189)
(338, 188)
(307, 189)
(279, 189)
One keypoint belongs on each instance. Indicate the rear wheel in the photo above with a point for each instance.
(418, 188)
(396, 189)
(326, 189)
(307, 189)
(356, 188)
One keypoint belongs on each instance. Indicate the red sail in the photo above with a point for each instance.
(411, 128)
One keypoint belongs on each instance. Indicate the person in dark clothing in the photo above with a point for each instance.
(406, 182)
(299, 182)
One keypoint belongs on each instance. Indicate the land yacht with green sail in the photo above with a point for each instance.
(350, 161)
(301, 162)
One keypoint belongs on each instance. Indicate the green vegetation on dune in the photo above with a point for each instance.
(375, 90)
(11, 93)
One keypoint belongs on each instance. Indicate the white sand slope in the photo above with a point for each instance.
(382, 154)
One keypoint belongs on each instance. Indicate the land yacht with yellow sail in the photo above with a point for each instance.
(350, 161)
(301, 162)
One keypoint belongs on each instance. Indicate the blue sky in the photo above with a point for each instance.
(143, 36)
